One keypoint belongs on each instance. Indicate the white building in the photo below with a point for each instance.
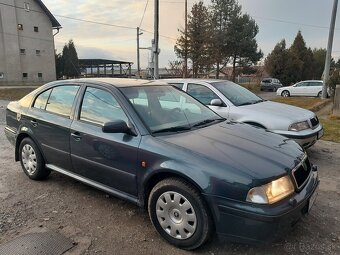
(26, 42)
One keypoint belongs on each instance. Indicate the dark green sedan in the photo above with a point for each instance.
(152, 144)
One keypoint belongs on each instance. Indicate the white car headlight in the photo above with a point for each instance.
(271, 192)
(298, 126)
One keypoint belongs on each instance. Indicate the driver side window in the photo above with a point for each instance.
(99, 106)
(201, 93)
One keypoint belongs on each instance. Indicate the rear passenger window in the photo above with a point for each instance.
(99, 106)
(41, 100)
(61, 100)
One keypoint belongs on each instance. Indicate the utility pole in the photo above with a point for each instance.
(138, 56)
(329, 51)
(185, 73)
(156, 39)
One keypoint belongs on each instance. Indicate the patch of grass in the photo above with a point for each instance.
(13, 94)
(254, 87)
(303, 102)
(331, 125)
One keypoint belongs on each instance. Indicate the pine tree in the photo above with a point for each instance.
(276, 62)
(70, 61)
(198, 40)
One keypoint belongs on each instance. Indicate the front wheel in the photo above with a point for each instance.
(285, 93)
(320, 94)
(179, 214)
(32, 162)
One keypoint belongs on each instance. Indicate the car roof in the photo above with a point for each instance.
(194, 80)
(311, 81)
(118, 82)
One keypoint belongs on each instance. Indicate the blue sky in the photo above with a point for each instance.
(277, 19)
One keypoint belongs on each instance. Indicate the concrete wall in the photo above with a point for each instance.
(12, 63)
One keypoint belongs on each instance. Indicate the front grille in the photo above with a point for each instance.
(314, 121)
(302, 172)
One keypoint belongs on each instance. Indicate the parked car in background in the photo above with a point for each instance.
(154, 145)
(236, 103)
(270, 84)
(312, 88)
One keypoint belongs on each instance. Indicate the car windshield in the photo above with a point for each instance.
(166, 109)
(237, 94)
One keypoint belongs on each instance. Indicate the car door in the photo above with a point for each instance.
(109, 159)
(204, 94)
(299, 89)
(315, 88)
(50, 119)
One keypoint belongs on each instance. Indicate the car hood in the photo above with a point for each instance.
(239, 148)
(271, 111)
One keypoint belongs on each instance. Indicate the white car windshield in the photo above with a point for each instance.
(166, 109)
(237, 94)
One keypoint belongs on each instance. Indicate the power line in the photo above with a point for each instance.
(291, 22)
(146, 6)
(71, 18)
(164, 36)
(95, 22)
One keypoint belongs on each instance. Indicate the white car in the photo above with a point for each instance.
(310, 88)
(238, 104)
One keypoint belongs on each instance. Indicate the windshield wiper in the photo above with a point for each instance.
(204, 122)
(172, 129)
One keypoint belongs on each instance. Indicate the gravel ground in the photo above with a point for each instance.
(101, 224)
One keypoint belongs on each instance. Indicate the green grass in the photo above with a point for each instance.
(303, 102)
(13, 94)
(254, 87)
(331, 125)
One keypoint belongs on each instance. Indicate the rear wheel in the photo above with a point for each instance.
(179, 214)
(32, 161)
(320, 94)
(285, 93)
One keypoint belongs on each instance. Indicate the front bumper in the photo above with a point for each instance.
(305, 138)
(251, 223)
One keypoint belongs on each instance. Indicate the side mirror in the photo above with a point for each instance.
(118, 126)
(216, 102)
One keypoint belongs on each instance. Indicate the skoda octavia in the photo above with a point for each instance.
(156, 146)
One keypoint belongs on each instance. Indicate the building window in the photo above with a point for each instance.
(27, 7)
(40, 76)
(20, 27)
(22, 51)
(24, 75)
(37, 52)
(36, 29)
(2, 75)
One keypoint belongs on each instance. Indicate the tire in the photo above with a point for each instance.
(32, 161)
(319, 94)
(285, 93)
(187, 233)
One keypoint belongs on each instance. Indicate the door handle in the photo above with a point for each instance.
(34, 123)
(76, 136)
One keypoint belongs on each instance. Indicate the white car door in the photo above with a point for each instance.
(315, 88)
(299, 89)
(204, 94)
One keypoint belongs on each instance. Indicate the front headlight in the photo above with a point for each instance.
(271, 192)
(299, 126)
